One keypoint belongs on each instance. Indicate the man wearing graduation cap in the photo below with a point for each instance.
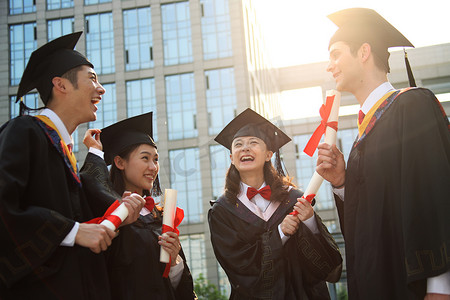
(393, 198)
(47, 252)
(266, 252)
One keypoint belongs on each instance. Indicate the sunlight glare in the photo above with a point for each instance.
(301, 103)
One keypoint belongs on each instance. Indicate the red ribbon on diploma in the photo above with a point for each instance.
(325, 110)
(107, 216)
(179, 216)
(308, 198)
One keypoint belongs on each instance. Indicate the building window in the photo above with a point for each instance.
(185, 177)
(181, 106)
(306, 165)
(220, 98)
(216, 29)
(141, 99)
(17, 7)
(220, 162)
(22, 39)
(107, 108)
(176, 33)
(100, 42)
(31, 100)
(194, 249)
(137, 26)
(76, 146)
(224, 283)
(59, 27)
(91, 2)
(59, 4)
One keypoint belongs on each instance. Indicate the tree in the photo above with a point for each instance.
(206, 290)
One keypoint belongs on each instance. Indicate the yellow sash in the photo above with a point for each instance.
(362, 127)
(69, 154)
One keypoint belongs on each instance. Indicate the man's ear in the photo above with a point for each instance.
(59, 84)
(119, 162)
(365, 51)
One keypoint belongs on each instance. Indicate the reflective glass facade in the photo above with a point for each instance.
(220, 98)
(107, 108)
(185, 177)
(181, 106)
(59, 27)
(141, 98)
(176, 33)
(22, 42)
(137, 32)
(216, 29)
(194, 249)
(90, 2)
(58, 4)
(21, 6)
(100, 42)
(220, 162)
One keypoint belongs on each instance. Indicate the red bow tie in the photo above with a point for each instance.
(149, 203)
(265, 192)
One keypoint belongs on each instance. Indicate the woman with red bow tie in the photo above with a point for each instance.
(267, 252)
(133, 258)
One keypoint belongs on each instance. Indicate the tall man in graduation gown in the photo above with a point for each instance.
(393, 198)
(46, 251)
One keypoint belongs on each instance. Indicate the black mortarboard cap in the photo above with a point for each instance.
(250, 123)
(364, 25)
(52, 59)
(132, 131)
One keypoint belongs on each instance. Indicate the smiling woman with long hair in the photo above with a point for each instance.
(266, 252)
(133, 259)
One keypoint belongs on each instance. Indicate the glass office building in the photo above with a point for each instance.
(196, 64)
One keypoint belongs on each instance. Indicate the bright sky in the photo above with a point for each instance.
(298, 31)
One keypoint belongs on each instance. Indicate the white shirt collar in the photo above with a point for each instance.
(376, 95)
(66, 137)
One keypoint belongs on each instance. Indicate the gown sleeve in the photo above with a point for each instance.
(96, 184)
(318, 253)
(424, 184)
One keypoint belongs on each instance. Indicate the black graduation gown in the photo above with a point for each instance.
(134, 268)
(133, 258)
(396, 209)
(257, 264)
(40, 199)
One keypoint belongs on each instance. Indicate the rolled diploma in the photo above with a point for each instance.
(121, 211)
(170, 204)
(330, 138)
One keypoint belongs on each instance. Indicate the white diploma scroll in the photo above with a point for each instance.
(121, 211)
(170, 205)
(330, 138)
